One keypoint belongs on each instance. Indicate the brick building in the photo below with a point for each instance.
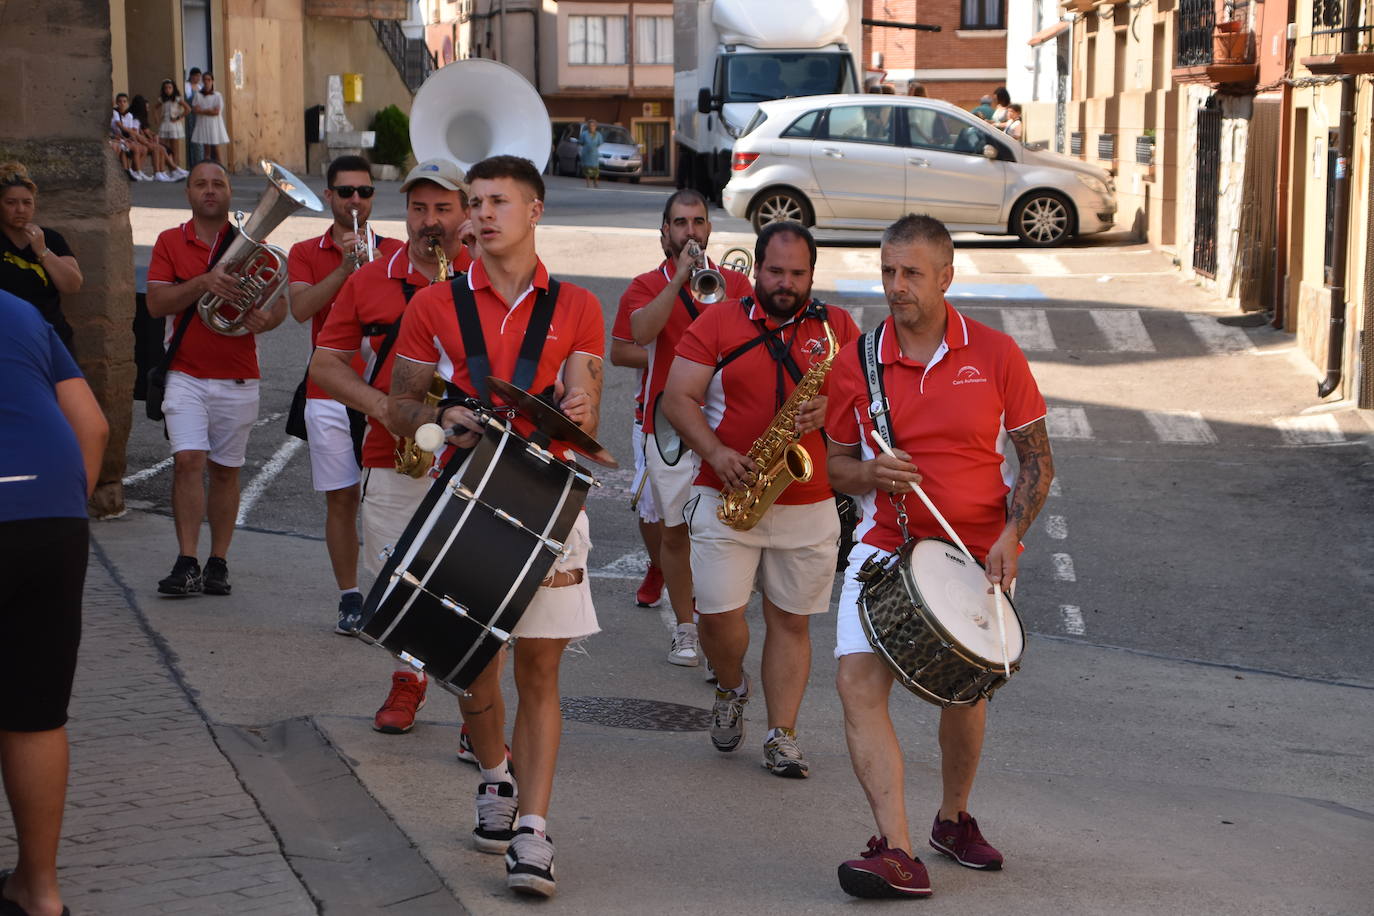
(966, 59)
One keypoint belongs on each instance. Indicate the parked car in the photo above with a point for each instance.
(620, 156)
(862, 161)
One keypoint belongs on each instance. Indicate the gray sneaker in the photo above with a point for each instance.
(684, 648)
(727, 718)
(782, 757)
(497, 803)
(350, 614)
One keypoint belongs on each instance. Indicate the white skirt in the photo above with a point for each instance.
(566, 612)
(210, 130)
(172, 130)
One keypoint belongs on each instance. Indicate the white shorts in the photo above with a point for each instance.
(648, 506)
(389, 501)
(212, 415)
(792, 551)
(332, 465)
(672, 486)
(849, 632)
(566, 612)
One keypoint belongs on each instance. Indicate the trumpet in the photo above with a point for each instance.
(708, 286)
(362, 247)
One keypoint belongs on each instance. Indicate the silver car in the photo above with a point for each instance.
(862, 161)
(620, 155)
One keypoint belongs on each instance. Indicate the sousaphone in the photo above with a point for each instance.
(472, 109)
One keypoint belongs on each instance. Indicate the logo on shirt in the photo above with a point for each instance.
(815, 347)
(968, 375)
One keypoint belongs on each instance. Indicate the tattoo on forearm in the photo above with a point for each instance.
(409, 382)
(1033, 480)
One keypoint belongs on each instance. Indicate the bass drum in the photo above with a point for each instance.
(928, 611)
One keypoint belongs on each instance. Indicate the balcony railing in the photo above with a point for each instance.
(409, 55)
(1196, 21)
(1329, 32)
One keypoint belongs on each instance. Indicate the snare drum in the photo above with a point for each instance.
(485, 536)
(928, 611)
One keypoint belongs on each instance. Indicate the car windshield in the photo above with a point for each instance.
(760, 77)
(617, 135)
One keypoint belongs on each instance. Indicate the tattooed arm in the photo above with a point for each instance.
(405, 405)
(582, 378)
(1032, 444)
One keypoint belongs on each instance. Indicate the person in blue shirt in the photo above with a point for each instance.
(52, 438)
(589, 158)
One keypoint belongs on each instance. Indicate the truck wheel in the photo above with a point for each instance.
(779, 204)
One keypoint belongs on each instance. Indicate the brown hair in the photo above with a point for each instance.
(14, 173)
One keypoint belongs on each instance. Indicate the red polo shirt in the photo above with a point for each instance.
(430, 332)
(620, 330)
(178, 256)
(949, 416)
(663, 348)
(314, 259)
(742, 398)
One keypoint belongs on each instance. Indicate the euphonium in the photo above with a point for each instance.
(708, 286)
(777, 457)
(412, 460)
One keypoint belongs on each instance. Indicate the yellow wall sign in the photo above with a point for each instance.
(353, 87)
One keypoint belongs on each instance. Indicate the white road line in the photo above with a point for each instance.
(628, 566)
(1182, 427)
(1073, 620)
(165, 463)
(862, 262)
(1311, 429)
(1123, 330)
(1030, 328)
(963, 264)
(1057, 527)
(1068, 423)
(1220, 339)
(1055, 488)
(259, 484)
(1063, 568)
(1041, 264)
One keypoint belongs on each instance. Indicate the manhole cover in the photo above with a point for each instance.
(629, 712)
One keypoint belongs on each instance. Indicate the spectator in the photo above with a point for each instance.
(193, 151)
(52, 437)
(1003, 109)
(209, 108)
(35, 263)
(589, 157)
(984, 108)
(171, 121)
(914, 88)
(164, 168)
(123, 141)
(1013, 128)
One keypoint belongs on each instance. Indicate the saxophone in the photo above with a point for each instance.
(412, 460)
(778, 458)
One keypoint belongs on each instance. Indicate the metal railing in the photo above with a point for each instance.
(1106, 146)
(1329, 31)
(1076, 143)
(1196, 20)
(410, 56)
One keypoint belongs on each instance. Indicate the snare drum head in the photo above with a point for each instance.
(956, 593)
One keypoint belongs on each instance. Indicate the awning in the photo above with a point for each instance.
(1045, 35)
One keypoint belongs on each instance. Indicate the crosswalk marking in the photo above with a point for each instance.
(1183, 427)
(259, 484)
(1029, 327)
(1219, 338)
(1041, 264)
(1057, 527)
(1123, 330)
(1311, 429)
(963, 264)
(1068, 423)
(1063, 568)
(1073, 620)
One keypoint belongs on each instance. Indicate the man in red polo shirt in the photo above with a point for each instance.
(953, 386)
(742, 359)
(318, 268)
(366, 317)
(211, 396)
(507, 199)
(661, 307)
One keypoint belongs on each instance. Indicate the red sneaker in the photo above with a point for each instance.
(964, 843)
(465, 752)
(650, 593)
(407, 697)
(883, 872)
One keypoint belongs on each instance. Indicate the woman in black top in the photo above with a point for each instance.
(35, 263)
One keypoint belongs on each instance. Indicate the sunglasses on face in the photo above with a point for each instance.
(364, 191)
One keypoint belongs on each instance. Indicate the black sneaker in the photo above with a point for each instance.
(184, 579)
(350, 614)
(497, 803)
(529, 863)
(217, 576)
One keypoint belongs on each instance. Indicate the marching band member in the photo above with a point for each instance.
(661, 306)
(367, 316)
(211, 398)
(952, 387)
(318, 268)
(742, 359)
(507, 292)
(625, 352)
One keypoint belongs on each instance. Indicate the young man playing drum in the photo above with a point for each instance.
(499, 300)
(952, 387)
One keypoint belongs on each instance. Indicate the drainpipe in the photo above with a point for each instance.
(1345, 130)
(1281, 211)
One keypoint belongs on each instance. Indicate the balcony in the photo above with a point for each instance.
(1215, 50)
(1337, 47)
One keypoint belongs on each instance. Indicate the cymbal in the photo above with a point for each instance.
(549, 421)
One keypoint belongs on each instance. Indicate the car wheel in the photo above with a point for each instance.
(1042, 220)
(777, 205)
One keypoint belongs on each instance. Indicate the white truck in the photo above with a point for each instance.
(729, 55)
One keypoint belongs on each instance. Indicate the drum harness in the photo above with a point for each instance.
(878, 410)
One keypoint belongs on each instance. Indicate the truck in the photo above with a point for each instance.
(729, 55)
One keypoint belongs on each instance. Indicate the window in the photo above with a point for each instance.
(760, 77)
(653, 39)
(861, 123)
(934, 130)
(982, 14)
(596, 39)
(804, 126)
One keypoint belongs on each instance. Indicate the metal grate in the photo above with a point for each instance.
(1207, 193)
(1076, 143)
(1106, 146)
(1196, 20)
(1145, 150)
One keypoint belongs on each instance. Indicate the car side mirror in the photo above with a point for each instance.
(706, 103)
(989, 152)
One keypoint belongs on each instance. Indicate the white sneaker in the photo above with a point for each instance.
(163, 176)
(684, 648)
(179, 173)
(134, 175)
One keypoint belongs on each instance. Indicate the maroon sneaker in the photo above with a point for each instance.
(407, 697)
(964, 843)
(884, 872)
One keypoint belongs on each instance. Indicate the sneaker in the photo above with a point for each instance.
(496, 806)
(883, 872)
(465, 752)
(683, 650)
(650, 592)
(529, 863)
(133, 175)
(727, 718)
(179, 173)
(184, 579)
(964, 843)
(163, 176)
(350, 614)
(217, 576)
(407, 697)
(782, 756)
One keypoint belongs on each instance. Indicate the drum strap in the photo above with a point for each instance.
(689, 303)
(878, 407)
(475, 342)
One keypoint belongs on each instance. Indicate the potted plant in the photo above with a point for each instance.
(1230, 42)
(393, 141)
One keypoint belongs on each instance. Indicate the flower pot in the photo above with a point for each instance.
(1230, 46)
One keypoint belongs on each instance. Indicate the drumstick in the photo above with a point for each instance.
(996, 588)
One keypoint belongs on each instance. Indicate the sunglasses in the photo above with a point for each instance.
(364, 191)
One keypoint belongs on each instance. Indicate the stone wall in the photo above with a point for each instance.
(55, 64)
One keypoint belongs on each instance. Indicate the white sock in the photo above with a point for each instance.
(534, 822)
(350, 591)
(402, 666)
(498, 773)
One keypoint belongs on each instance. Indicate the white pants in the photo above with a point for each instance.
(213, 415)
(332, 465)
